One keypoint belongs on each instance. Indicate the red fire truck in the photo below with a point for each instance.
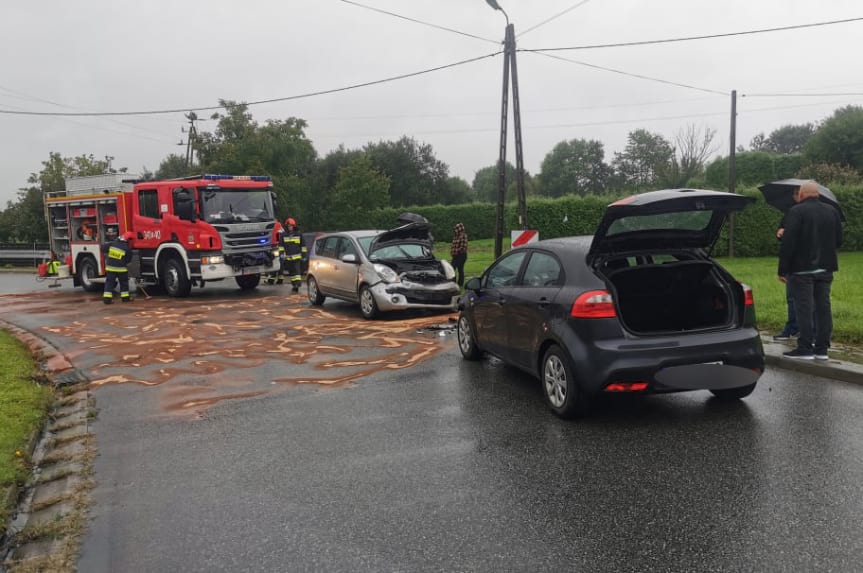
(187, 231)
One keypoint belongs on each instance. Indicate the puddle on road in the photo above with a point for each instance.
(197, 353)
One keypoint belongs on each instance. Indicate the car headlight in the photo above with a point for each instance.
(387, 274)
(448, 271)
(214, 260)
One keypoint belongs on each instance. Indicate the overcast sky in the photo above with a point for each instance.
(121, 55)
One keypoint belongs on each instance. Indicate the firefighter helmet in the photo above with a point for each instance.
(128, 236)
(290, 222)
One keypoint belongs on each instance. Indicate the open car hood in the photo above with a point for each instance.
(667, 219)
(416, 233)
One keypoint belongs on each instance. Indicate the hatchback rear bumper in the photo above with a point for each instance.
(712, 360)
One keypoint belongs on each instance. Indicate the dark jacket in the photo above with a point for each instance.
(813, 233)
(118, 255)
(295, 246)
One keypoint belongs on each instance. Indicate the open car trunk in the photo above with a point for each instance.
(672, 296)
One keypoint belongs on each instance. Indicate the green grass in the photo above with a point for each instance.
(23, 406)
(759, 274)
(769, 293)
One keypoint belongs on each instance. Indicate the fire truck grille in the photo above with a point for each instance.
(243, 241)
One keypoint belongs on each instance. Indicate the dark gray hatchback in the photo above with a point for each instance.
(638, 307)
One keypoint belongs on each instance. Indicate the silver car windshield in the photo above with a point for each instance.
(365, 243)
(401, 251)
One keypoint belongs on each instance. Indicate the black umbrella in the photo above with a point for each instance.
(779, 194)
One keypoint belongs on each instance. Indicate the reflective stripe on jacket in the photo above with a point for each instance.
(294, 246)
(118, 256)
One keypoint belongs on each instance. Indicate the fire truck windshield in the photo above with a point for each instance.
(235, 205)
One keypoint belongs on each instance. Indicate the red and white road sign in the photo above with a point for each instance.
(521, 238)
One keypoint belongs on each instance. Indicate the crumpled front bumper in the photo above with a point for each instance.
(397, 296)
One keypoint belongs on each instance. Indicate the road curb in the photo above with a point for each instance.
(843, 370)
(51, 362)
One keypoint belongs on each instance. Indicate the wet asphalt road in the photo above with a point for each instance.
(453, 466)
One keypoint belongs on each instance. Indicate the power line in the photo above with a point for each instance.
(497, 113)
(556, 16)
(422, 22)
(779, 107)
(705, 37)
(640, 76)
(25, 96)
(101, 128)
(259, 102)
(540, 126)
(583, 124)
(852, 94)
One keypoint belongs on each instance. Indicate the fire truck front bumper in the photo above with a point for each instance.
(216, 267)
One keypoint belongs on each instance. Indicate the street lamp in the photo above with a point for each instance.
(509, 64)
(496, 6)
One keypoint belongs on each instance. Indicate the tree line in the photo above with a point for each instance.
(345, 186)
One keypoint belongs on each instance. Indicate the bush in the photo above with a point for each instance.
(571, 215)
(753, 168)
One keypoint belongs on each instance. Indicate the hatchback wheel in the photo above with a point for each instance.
(315, 296)
(559, 385)
(467, 340)
(368, 306)
(734, 393)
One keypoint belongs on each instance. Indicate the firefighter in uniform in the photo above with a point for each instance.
(278, 277)
(118, 256)
(295, 248)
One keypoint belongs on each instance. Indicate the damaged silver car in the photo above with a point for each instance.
(382, 270)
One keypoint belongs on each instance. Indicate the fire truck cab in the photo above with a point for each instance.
(187, 231)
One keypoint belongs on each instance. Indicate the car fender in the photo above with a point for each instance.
(565, 337)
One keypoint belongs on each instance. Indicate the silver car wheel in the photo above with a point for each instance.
(367, 302)
(554, 380)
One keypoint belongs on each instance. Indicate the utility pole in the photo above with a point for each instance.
(190, 142)
(509, 65)
(732, 168)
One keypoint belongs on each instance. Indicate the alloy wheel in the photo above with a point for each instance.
(367, 302)
(554, 380)
(464, 336)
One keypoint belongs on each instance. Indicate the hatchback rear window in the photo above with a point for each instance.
(680, 221)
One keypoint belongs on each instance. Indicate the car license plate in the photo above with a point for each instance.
(252, 270)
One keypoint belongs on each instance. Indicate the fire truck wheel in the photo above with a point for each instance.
(174, 279)
(87, 271)
(248, 282)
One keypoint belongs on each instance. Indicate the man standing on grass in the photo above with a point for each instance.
(807, 261)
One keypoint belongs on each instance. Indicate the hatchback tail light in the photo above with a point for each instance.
(593, 304)
(626, 387)
(748, 299)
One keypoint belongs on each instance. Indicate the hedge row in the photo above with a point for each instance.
(754, 228)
